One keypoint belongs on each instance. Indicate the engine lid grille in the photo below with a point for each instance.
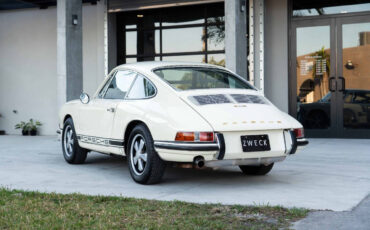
(212, 99)
(228, 98)
(250, 99)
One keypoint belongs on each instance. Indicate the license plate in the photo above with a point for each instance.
(255, 143)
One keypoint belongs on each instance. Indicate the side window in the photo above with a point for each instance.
(142, 88)
(119, 85)
(102, 91)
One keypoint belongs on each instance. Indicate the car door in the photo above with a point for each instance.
(96, 118)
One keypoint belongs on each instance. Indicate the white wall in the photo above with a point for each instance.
(28, 64)
(276, 52)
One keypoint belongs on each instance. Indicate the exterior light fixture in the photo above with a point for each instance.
(242, 5)
(140, 16)
(349, 65)
(74, 19)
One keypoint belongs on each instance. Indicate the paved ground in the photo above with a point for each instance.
(329, 174)
(358, 218)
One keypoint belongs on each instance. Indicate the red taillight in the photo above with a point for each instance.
(299, 133)
(206, 136)
(194, 136)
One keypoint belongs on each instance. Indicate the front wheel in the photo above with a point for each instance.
(72, 151)
(146, 167)
(259, 170)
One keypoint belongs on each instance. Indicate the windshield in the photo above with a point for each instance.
(188, 78)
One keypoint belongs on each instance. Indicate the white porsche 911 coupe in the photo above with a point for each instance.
(156, 113)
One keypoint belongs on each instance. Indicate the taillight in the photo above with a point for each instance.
(299, 133)
(195, 136)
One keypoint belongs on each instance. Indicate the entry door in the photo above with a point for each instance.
(353, 85)
(330, 87)
(313, 54)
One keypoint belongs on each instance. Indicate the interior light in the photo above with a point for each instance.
(140, 15)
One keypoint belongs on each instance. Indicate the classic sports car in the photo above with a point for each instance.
(156, 113)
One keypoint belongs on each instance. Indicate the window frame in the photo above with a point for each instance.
(142, 75)
(122, 56)
(105, 88)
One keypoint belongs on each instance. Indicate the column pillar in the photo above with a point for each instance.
(69, 50)
(235, 36)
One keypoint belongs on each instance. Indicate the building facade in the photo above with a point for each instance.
(310, 58)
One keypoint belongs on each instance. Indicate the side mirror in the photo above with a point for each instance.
(84, 98)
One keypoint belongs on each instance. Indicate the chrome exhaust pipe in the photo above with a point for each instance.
(199, 161)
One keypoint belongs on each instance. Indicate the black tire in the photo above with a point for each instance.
(256, 170)
(72, 153)
(151, 170)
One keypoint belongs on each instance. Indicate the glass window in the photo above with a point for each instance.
(119, 85)
(188, 78)
(131, 43)
(185, 58)
(142, 88)
(183, 33)
(191, 40)
(216, 59)
(185, 15)
(317, 8)
(216, 37)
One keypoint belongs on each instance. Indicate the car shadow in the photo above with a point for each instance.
(175, 175)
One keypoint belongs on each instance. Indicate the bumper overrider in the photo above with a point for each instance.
(219, 146)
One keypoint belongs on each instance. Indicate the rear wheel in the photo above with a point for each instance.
(72, 151)
(146, 167)
(256, 170)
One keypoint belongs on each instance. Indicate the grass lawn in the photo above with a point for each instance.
(33, 210)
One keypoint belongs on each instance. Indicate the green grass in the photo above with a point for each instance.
(33, 210)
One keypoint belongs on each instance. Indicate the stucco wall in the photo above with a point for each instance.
(28, 64)
(276, 52)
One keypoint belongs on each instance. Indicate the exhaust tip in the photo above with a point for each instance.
(199, 161)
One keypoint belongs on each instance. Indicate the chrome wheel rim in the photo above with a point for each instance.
(138, 154)
(68, 141)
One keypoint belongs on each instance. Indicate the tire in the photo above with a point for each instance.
(72, 151)
(145, 166)
(256, 170)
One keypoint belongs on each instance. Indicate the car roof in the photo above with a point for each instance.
(150, 65)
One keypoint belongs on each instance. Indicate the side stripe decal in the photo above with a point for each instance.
(100, 141)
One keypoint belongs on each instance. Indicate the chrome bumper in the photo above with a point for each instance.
(187, 146)
(250, 161)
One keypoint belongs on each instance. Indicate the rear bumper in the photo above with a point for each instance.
(214, 152)
(186, 146)
(247, 161)
(302, 142)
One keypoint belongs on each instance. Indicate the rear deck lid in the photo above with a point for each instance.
(237, 110)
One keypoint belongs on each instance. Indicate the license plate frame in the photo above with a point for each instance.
(255, 143)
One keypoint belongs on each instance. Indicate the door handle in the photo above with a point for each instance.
(111, 110)
(332, 84)
(343, 84)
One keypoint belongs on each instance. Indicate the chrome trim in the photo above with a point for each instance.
(248, 161)
(302, 142)
(189, 146)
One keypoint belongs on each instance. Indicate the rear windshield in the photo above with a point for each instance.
(188, 78)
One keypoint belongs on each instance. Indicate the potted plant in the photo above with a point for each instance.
(32, 127)
(24, 126)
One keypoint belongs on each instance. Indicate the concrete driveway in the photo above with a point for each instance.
(329, 174)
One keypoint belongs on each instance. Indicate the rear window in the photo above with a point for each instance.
(188, 78)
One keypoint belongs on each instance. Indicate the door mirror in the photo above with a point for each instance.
(84, 98)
